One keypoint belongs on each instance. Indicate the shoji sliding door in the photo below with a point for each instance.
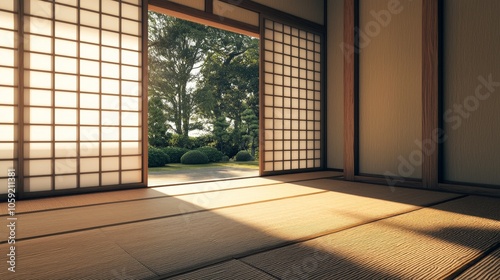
(9, 80)
(291, 98)
(79, 93)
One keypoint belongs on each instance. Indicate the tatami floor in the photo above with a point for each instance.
(299, 226)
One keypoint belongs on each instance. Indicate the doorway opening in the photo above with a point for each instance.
(203, 110)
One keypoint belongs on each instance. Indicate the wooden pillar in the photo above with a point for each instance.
(430, 92)
(350, 51)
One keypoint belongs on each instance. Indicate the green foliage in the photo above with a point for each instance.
(191, 143)
(182, 141)
(194, 157)
(228, 86)
(157, 128)
(203, 140)
(175, 153)
(243, 156)
(220, 132)
(157, 157)
(251, 127)
(229, 80)
(212, 153)
(224, 158)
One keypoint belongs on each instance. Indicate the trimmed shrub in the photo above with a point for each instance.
(194, 157)
(225, 158)
(212, 153)
(175, 153)
(243, 156)
(157, 157)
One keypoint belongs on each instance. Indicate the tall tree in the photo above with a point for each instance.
(229, 80)
(176, 50)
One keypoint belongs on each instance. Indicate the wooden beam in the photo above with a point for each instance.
(191, 14)
(278, 15)
(350, 88)
(430, 93)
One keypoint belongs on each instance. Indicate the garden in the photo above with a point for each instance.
(203, 96)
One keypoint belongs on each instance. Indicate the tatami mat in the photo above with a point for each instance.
(486, 269)
(259, 229)
(230, 270)
(430, 243)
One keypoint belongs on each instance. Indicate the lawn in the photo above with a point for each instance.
(180, 166)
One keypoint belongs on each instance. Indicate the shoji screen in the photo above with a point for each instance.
(291, 100)
(82, 97)
(9, 66)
